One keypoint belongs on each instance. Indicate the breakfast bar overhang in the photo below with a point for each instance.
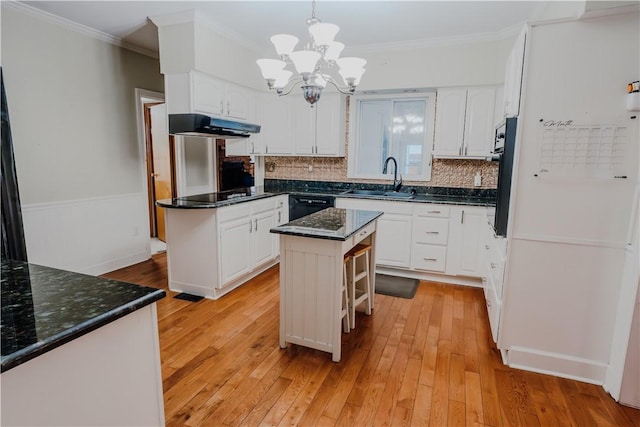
(311, 259)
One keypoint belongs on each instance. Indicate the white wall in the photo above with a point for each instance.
(73, 121)
(461, 64)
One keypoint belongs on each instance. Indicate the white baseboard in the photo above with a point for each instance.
(559, 365)
(91, 236)
(431, 277)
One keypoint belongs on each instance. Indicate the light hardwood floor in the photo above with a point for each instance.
(428, 361)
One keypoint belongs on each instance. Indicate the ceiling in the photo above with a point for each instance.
(364, 24)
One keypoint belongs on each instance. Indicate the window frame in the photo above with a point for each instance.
(354, 121)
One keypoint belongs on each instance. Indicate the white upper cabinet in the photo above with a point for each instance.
(464, 122)
(291, 127)
(196, 92)
(449, 132)
(513, 77)
(276, 136)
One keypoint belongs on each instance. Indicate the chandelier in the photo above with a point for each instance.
(316, 64)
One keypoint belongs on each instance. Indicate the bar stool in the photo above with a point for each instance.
(358, 280)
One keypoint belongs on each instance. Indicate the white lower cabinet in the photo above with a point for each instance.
(245, 239)
(493, 262)
(393, 234)
(235, 238)
(430, 240)
(421, 237)
(468, 230)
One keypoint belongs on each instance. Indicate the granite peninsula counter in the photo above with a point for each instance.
(311, 259)
(78, 349)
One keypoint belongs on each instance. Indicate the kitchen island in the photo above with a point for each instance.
(78, 349)
(311, 259)
(218, 241)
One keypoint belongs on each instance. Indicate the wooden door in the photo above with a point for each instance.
(162, 176)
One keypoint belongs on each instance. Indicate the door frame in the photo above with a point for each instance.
(142, 97)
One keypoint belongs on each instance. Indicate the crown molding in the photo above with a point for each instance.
(503, 34)
(76, 27)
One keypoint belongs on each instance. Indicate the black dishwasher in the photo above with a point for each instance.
(303, 205)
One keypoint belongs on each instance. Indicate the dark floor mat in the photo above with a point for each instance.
(396, 286)
(188, 297)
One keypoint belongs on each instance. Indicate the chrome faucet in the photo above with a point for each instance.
(396, 184)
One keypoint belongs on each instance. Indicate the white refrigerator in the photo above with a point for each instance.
(573, 204)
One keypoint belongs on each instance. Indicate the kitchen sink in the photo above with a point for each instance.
(380, 193)
(366, 192)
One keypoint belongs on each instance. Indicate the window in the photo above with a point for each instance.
(391, 125)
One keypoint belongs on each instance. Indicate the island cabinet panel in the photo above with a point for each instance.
(308, 303)
(211, 251)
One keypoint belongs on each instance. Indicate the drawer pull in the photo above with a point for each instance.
(430, 259)
(434, 212)
(432, 232)
(487, 247)
(493, 265)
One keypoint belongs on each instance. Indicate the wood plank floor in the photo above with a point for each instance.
(428, 361)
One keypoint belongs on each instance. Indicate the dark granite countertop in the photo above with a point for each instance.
(217, 200)
(44, 308)
(330, 223)
(423, 194)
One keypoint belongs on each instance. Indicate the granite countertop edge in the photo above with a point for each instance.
(441, 200)
(169, 204)
(37, 349)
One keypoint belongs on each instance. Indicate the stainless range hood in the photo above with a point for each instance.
(206, 126)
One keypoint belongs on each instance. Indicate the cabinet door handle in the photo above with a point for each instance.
(279, 216)
(493, 265)
(434, 212)
(250, 227)
(266, 149)
(462, 217)
(221, 107)
(430, 259)
(487, 247)
(466, 150)
(255, 221)
(253, 148)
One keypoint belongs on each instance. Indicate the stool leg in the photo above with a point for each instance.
(352, 292)
(368, 284)
(346, 324)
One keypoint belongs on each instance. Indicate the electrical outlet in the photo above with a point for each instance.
(477, 180)
(310, 168)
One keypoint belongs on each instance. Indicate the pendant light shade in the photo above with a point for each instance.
(323, 33)
(305, 60)
(284, 43)
(349, 65)
(271, 68)
(333, 51)
(283, 79)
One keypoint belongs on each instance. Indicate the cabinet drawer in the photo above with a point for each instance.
(438, 211)
(363, 233)
(428, 257)
(433, 231)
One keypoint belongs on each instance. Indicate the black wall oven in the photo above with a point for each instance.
(504, 149)
(303, 205)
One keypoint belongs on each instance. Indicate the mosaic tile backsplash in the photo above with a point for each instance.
(445, 173)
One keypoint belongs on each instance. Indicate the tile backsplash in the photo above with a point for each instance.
(445, 172)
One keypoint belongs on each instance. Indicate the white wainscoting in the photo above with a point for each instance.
(91, 236)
